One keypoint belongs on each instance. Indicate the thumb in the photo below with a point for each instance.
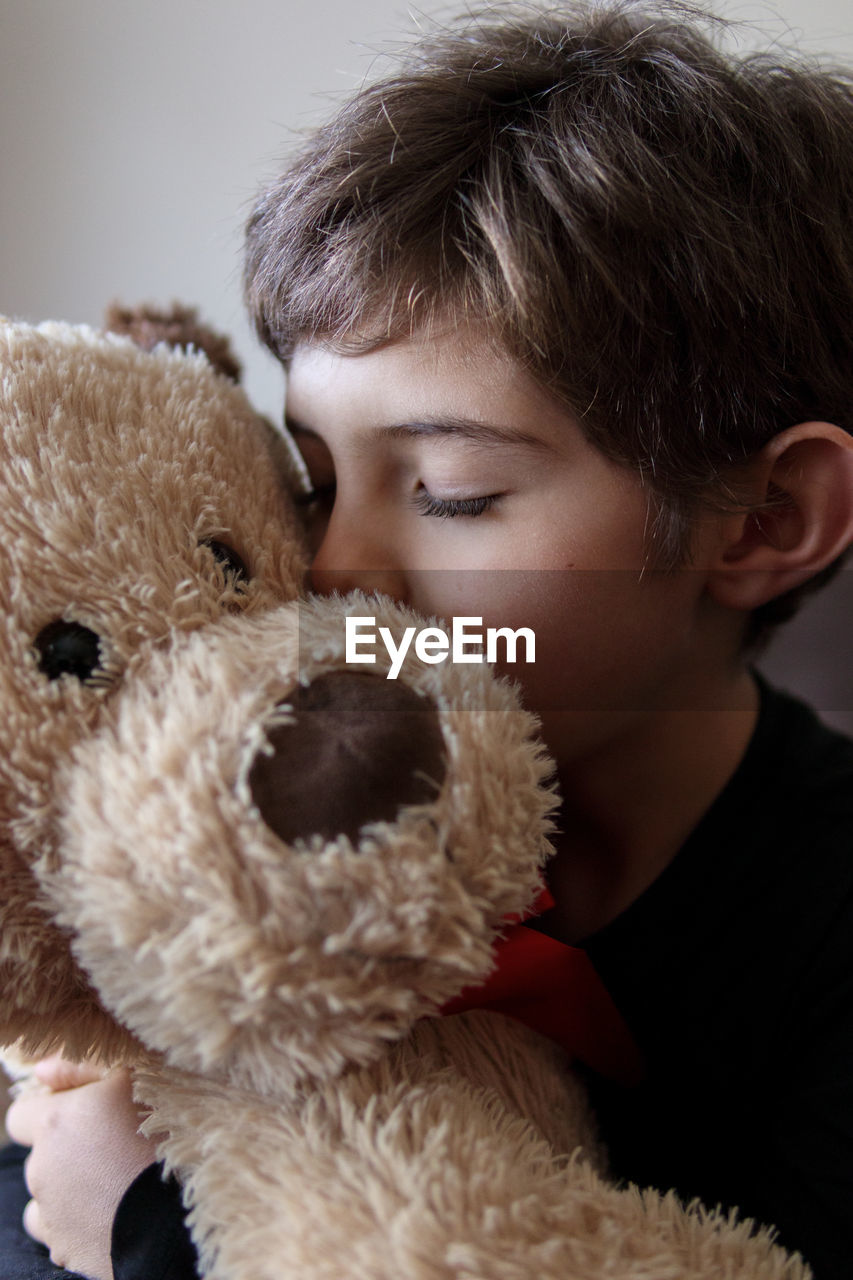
(58, 1073)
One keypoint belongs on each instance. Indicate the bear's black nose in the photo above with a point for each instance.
(358, 749)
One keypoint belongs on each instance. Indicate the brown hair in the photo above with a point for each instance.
(659, 230)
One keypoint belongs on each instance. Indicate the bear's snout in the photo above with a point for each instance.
(357, 749)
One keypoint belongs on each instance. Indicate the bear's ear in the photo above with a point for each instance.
(179, 327)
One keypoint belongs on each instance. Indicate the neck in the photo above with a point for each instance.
(629, 806)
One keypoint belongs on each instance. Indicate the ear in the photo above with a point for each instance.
(179, 327)
(800, 517)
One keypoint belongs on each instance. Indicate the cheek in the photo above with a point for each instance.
(606, 639)
(610, 644)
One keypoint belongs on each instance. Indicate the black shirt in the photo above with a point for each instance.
(734, 972)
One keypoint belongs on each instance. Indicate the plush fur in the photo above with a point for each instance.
(256, 877)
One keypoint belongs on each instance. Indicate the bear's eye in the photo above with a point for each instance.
(227, 558)
(68, 649)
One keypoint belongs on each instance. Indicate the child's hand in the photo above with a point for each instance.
(86, 1151)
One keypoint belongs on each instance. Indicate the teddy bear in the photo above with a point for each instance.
(269, 880)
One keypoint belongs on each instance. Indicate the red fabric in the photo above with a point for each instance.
(554, 989)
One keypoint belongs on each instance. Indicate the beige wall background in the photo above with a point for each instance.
(134, 134)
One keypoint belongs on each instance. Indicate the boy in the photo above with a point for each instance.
(567, 313)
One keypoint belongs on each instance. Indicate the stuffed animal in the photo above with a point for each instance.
(257, 873)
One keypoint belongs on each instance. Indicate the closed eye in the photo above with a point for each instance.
(446, 508)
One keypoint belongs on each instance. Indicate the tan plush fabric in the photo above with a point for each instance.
(115, 466)
(274, 987)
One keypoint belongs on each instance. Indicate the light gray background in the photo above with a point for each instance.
(134, 134)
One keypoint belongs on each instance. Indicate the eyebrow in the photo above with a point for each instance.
(443, 427)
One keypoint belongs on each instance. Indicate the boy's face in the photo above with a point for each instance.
(448, 479)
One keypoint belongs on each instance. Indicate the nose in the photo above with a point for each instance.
(356, 750)
(354, 555)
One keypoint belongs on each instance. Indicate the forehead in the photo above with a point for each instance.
(95, 433)
(72, 401)
(115, 464)
(456, 375)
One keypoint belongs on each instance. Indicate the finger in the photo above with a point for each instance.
(22, 1118)
(32, 1222)
(59, 1073)
(28, 1177)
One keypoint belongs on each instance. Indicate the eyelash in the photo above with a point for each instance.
(424, 502)
(447, 508)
